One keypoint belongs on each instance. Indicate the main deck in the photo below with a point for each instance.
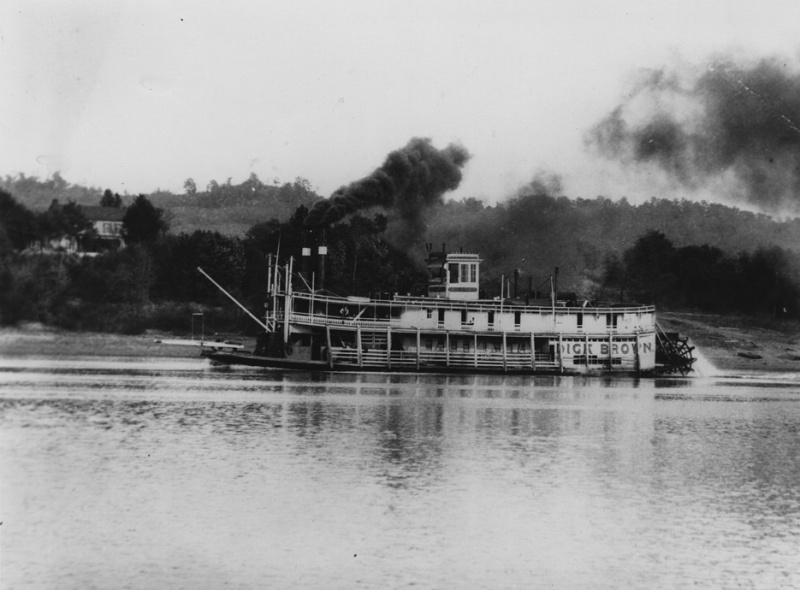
(481, 316)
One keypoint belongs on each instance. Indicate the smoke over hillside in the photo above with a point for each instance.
(410, 180)
(732, 127)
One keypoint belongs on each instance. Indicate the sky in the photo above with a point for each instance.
(139, 96)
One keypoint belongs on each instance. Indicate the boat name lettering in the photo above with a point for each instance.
(601, 348)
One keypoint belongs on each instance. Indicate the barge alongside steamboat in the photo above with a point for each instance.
(452, 329)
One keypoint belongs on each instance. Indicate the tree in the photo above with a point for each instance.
(18, 222)
(190, 187)
(143, 222)
(648, 266)
(110, 199)
(614, 279)
(61, 221)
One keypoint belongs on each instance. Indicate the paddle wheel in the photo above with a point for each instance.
(673, 353)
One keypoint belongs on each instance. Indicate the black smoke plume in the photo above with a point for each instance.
(733, 126)
(410, 180)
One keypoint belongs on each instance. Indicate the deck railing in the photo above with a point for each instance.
(473, 306)
(386, 323)
(442, 359)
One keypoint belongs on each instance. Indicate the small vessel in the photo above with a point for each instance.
(454, 327)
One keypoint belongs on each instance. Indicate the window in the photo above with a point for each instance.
(468, 273)
(454, 269)
(429, 314)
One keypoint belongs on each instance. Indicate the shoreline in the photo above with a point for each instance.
(732, 344)
(722, 341)
(45, 342)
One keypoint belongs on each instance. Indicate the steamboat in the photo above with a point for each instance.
(453, 327)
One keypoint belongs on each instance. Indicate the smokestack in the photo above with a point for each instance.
(322, 252)
(304, 262)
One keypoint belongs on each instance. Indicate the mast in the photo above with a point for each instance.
(287, 301)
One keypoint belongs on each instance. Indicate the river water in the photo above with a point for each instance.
(120, 473)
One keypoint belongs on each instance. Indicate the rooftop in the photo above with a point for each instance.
(97, 213)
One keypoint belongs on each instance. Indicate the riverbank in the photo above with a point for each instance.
(38, 341)
(727, 342)
(736, 343)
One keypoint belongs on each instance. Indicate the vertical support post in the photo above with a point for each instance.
(560, 353)
(419, 341)
(268, 316)
(504, 351)
(586, 350)
(269, 273)
(287, 302)
(447, 349)
(313, 291)
(475, 350)
(276, 277)
(330, 348)
(358, 347)
(637, 363)
(389, 347)
(610, 355)
(530, 289)
(533, 353)
(502, 286)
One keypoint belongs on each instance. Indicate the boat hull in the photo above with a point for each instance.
(267, 362)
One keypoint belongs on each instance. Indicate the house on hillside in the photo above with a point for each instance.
(107, 222)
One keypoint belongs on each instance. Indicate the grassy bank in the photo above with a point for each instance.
(37, 341)
(739, 343)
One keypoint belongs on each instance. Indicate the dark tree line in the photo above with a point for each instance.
(536, 232)
(653, 270)
(154, 281)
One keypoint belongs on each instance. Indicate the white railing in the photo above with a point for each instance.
(384, 324)
(440, 359)
(324, 320)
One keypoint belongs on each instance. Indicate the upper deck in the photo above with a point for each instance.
(480, 316)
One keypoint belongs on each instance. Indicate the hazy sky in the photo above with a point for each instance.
(135, 96)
